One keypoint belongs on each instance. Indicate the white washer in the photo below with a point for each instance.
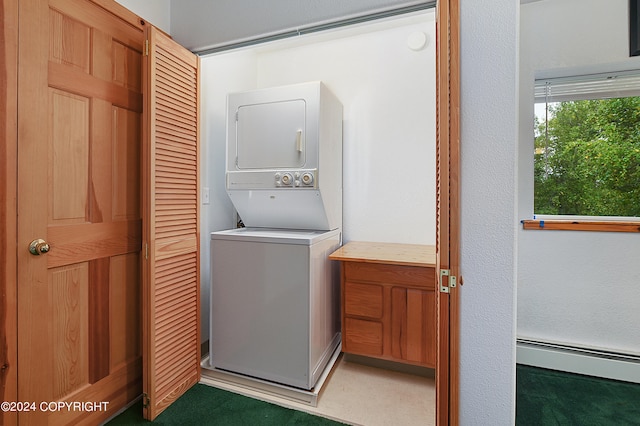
(274, 303)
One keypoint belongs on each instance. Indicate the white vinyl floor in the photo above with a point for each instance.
(358, 392)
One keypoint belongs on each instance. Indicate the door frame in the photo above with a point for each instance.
(8, 211)
(448, 118)
(448, 208)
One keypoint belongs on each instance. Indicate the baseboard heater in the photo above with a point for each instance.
(591, 362)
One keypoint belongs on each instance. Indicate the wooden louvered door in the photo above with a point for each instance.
(79, 118)
(171, 235)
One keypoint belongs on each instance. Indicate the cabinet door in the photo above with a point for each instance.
(171, 266)
(413, 325)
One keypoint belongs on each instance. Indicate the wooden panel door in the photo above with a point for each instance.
(79, 132)
(171, 272)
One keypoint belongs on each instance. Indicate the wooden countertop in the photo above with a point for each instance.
(387, 253)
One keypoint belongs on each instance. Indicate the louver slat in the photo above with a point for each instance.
(171, 273)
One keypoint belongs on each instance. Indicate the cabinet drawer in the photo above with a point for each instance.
(364, 300)
(363, 337)
(391, 274)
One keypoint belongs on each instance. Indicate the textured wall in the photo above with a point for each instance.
(197, 24)
(489, 68)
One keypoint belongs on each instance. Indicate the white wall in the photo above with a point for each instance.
(580, 288)
(488, 112)
(157, 12)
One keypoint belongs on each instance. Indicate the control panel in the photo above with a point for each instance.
(293, 179)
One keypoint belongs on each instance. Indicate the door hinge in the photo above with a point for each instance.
(452, 281)
(146, 48)
(146, 251)
(146, 401)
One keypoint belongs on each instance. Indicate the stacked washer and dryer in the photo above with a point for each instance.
(275, 294)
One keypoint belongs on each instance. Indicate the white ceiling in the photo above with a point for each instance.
(200, 25)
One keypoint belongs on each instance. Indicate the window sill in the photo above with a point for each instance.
(581, 225)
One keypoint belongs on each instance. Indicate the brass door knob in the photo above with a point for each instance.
(38, 247)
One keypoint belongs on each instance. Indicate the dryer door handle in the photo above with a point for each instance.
(299, 141)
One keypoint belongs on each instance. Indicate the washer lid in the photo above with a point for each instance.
(274, 235)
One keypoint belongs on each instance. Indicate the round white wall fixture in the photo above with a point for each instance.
(417, 40)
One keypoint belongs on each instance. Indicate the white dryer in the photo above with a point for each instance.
(284, 157)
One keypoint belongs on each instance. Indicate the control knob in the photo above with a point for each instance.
(307, 178)
(287, 179)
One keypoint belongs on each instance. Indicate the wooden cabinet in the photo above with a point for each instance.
(389, 301)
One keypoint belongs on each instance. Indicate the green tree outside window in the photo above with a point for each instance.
(587, 158)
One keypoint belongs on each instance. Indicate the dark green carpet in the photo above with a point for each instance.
(543, 398)
(206, 405)
(549, 398)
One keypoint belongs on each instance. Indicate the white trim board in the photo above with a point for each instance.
(577, 360)
(262, 389)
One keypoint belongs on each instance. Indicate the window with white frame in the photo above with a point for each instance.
(587, 146)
